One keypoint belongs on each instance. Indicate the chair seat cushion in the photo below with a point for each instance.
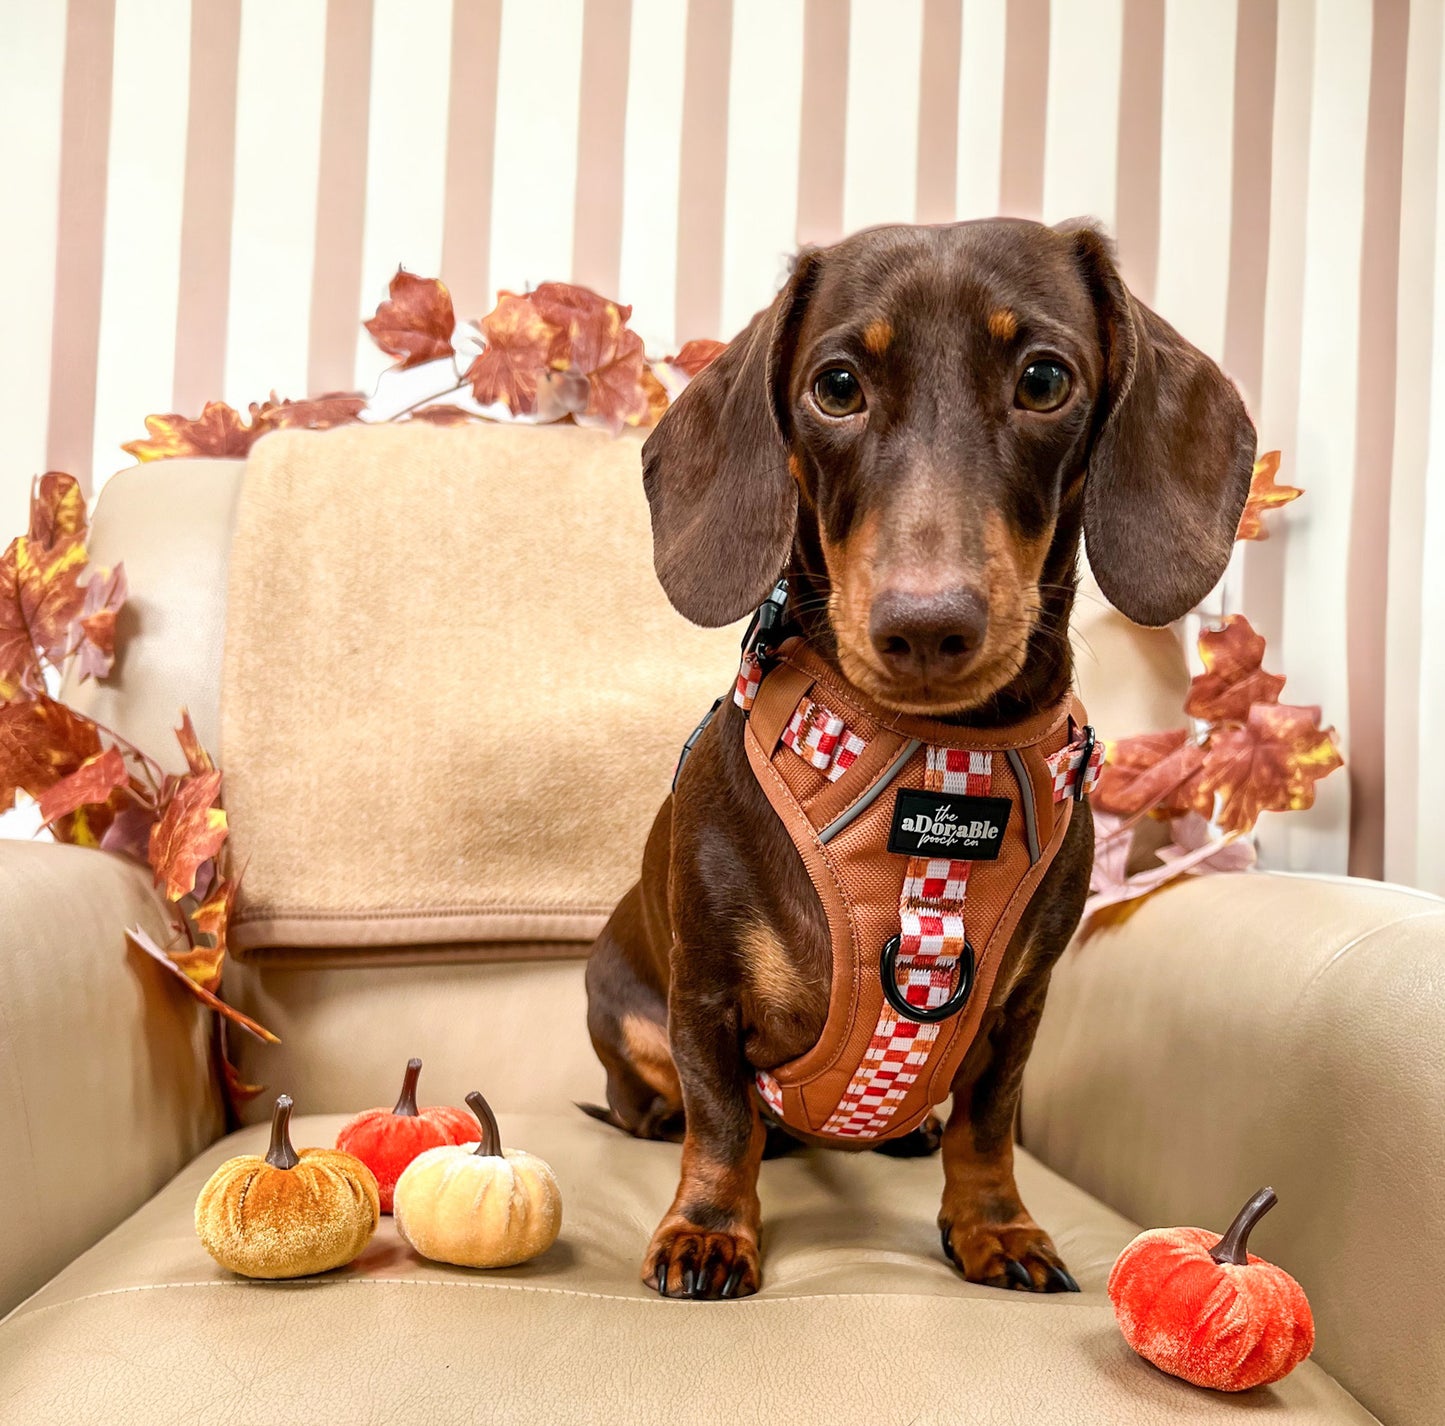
(859, 1317)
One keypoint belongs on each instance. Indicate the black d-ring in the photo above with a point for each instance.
(888, 973)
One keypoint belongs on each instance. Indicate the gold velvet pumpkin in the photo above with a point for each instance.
(287, 1214)
(477, 1205)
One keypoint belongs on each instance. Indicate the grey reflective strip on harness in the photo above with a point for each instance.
(1026, 796)
(871, 796)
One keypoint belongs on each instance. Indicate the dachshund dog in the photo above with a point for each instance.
(917, 433)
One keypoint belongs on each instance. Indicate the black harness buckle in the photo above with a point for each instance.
(888, 973)
(1088, 753)
(765, 629)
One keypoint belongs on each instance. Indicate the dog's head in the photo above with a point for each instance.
(918, 427)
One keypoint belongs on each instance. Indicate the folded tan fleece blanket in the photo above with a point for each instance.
(453, 692)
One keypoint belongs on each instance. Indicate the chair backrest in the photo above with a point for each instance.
(172, 522)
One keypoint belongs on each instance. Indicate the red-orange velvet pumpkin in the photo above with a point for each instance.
(387, 1140)
(1205, 1309)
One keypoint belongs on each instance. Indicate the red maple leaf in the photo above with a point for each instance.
(1264, 495)
(40, 596)
(416, 321)
(92, 783)
(594, 342)
(518, 351)
(92, 632)
(1234, 679)
(218, 431)
(41, 742)
(695, 355)
(175, 964)
(191, 831)
(57, 510)
(1269, 763)
(197, 758)
(1151, 772)
(317, 413)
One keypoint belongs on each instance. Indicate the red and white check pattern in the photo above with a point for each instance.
(1064, 765)
(820, 737)
(750, 677)
(771, 1091)
(932, 939)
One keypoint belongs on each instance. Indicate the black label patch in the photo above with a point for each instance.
(948, 824)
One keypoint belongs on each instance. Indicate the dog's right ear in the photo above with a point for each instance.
(724, 504)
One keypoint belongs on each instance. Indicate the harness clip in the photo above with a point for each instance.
(769, 618)
(1084, 759)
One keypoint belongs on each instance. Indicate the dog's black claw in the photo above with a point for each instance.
(689, 1281)
(947, 1246)
(1017, 1274)
(734, 1277)
(1061, 1280)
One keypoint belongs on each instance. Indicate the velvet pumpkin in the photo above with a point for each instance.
(1205, 1309)
(387, 1140)
(287, 1214)
(478, 1206)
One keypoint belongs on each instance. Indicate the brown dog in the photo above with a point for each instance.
(916, 432)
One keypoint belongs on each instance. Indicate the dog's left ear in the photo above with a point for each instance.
(724, 504)
(1170, 465)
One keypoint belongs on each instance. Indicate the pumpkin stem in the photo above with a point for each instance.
(281, 1155)
(1233, 1246)
(407, 1103)
(491, 1144)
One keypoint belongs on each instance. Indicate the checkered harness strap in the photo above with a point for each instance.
(820, 737)
(930, 914)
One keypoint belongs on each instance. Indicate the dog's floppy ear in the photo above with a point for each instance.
(724, 505)
(1170, 464)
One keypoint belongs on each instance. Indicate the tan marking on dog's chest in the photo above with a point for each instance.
(650, 1054)
(772, 976)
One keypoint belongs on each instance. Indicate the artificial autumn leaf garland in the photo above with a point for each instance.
(560, 352)
(1248, 754)
(93, 787)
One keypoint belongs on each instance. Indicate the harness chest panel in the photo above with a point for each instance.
(924, 842)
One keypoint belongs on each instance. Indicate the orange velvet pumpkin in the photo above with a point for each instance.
(287, 1214)
(1205, 1309)
(387, 1140)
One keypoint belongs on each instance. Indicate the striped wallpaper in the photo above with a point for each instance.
(205, 195)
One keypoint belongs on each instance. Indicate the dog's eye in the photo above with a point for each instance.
(1044, 386)
(838, 393)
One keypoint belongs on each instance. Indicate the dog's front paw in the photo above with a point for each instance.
(684, 1260)
(1016, 1254)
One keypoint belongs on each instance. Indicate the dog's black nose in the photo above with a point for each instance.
(932, 636)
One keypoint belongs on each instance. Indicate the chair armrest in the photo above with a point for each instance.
(1261, 1028)
(106, 1083)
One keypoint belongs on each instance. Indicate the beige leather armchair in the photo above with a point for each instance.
(1233, 1031)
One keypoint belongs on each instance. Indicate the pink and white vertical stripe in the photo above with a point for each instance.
(204, 197)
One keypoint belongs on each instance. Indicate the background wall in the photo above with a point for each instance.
(205, 196)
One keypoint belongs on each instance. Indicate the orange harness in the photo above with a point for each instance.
(899, 821)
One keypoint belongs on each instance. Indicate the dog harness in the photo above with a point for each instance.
(924, 842)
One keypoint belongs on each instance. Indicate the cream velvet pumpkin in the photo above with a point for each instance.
(477, 1205)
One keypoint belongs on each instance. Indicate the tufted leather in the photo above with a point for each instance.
(1242, 1030)
(859, 1317)
(105, 1081)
